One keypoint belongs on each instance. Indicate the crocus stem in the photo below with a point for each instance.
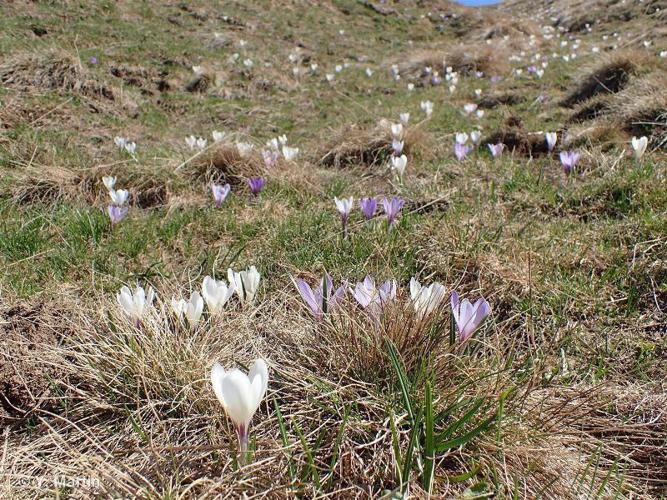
(242, 432)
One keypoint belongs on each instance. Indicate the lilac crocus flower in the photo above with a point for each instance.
(93, 60)
(392, 208)
(270, 157)
(116, 214)
(256, 185)
(397, 147)
(368, 206)
(220, 193)
(372, 299)
(461, 151)
(496, 149)
(569, 160)
(467, 316)
(324, 298)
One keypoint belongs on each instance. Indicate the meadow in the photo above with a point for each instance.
(345, 249)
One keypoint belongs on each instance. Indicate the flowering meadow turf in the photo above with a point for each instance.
(346, 249)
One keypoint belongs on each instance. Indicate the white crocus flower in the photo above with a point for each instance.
(398, 164)
(330, 77)
(135, 304)
(461, 138)
(426, 298)
(192, 309)
(639, 146)
(475, 136)
(426, 107)
(405, 118)
(246, 283)
(120, 141)
(240, 395)
(178, 306)
(290, 153)
(469, 108)
(244, 148)
(551, 138)
(282, 139)
(397, 130)
(109, 182)
(218, 136)
(130, 147)
(119, 196)
(216, 293)
(369, 72)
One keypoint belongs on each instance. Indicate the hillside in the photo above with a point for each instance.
(160, 144)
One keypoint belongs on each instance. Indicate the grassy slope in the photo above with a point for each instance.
(574, 268)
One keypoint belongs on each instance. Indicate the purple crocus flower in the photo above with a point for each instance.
(93, 60)
(256, 185)
(372, 299)
(496, 149)
(116, 214)
(220, 193)
(467, 316)
(323, 299)
(569, 160)
(461, 151)
(392, 208)
(496, 78)
(532, 69)
(368, 206)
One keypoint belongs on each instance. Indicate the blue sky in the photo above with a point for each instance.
(477, 2)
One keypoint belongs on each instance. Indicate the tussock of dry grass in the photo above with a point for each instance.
(641, 109)
(353, 145)
(55, 70)
(464, 59)
(515, 138)
(223, 163)
(136, 408)
(607, 77)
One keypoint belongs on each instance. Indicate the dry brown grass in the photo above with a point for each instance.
(132, 410)
(607, 77)
(641, 109)
(370, 147)
(223, 163)
(465, 59)
(54, 70)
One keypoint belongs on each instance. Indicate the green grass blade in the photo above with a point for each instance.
(285, 440)
(429, 441)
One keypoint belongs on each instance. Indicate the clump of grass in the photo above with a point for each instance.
(464, 59)
(54, 70)
(224, 163)
(607, 77)
(641, 108)
(353, 145)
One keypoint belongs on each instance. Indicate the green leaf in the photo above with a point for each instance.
(337, 445)
(285, 440)
(466, 438)
(314, 475)
(429, 442)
